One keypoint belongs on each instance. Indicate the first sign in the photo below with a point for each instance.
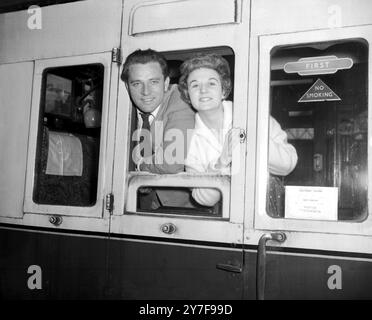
(318, 65)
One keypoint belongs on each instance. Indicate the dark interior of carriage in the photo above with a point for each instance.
(330, 136)
(70, 115)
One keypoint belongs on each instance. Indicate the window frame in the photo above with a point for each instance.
(225, 228)
(198, 228)
(95, 211)
(266, 43)
(137, 180)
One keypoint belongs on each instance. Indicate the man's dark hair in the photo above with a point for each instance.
(144, 56)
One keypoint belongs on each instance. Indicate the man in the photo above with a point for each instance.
(160, 115)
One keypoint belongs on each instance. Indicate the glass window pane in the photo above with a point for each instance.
(149, 199)
(171, 199)
(319, 96)
(66, 170)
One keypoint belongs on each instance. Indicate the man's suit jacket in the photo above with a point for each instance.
(174, 113)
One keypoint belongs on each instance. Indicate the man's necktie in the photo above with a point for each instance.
(146, 122)
(145, 126)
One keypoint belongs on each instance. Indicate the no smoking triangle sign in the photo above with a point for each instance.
(319, 91)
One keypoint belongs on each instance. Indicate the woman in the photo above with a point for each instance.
(205, 83)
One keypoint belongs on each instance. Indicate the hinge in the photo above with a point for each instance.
(109, 202)
(116, 55)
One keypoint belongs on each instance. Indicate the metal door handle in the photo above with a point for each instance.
(229, 267)
(261, 261)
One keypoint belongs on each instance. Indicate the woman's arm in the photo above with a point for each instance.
(282, 155)
(194, 164)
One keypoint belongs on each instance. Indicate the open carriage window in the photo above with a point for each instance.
(172, 191)
(319, 96)
(66, 170)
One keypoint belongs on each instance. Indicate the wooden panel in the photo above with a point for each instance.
(271, 16)
(15, 106)
(71, 29)
(167, 15)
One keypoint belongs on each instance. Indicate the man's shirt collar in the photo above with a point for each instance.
(151, 117)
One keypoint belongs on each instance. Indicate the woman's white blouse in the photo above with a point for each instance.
(205, 149)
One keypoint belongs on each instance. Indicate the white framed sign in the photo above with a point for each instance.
(315, 203)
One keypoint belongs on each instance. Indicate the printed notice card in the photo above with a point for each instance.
(315, 203)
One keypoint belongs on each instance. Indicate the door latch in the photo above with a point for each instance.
(229, 267)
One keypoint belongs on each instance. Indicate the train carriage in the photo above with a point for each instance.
(76, 220)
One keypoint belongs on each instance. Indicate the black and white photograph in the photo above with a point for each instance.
(185, 154)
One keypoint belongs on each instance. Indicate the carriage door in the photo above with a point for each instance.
(191, 250)
(315, 85)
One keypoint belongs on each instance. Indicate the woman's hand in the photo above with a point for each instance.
(232, 139)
